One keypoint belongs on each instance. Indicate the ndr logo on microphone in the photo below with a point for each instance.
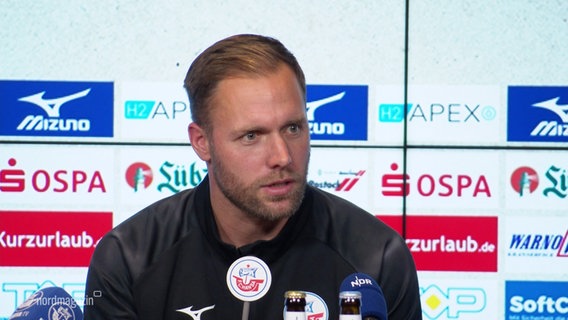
(56, 108)
(337, 112)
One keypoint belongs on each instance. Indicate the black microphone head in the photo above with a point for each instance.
(53, 303)
(373, 302)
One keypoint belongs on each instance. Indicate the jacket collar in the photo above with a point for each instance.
(267, 250)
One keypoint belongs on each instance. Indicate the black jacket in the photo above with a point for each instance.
(169, 256)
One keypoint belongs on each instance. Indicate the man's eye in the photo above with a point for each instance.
(249, 136)
(293, 128)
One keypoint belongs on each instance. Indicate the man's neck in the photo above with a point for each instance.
(239, 229)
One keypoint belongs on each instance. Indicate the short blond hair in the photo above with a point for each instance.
(238, 55)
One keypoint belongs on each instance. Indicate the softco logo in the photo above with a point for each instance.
(536, 300)
(537, 114)
(51, 108)
(337, 112)
(452, 302)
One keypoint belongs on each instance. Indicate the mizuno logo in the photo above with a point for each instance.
(195, 315)
(52, 106)
(552, 105)
(312, 106)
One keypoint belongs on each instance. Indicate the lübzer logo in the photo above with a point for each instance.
(249, 278)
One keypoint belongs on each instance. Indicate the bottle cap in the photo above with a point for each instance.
(350, 295)
(295, 294)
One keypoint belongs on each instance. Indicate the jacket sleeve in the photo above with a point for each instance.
(108, 293)
(399, 280)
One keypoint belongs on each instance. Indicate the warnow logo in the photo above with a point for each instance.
(56, 108)
(538, 245)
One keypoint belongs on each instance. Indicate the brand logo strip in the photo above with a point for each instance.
(56, 108)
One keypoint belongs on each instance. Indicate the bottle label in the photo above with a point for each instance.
(349, 317)
(294, 315)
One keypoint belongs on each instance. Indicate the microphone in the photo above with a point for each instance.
(48, 303)
(373, 304)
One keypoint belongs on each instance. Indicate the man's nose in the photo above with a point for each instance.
(279, 153)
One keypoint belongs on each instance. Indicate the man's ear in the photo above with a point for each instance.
(199, 141)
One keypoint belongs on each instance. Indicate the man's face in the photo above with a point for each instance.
(259, 144)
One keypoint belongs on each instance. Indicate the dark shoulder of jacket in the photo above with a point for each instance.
(154, 229)
(359, 236)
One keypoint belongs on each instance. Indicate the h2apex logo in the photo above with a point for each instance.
(538, 114)
(337, 112)
(149, 109)
(430, 113)
(56, 108)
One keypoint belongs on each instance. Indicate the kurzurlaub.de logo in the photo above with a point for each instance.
(56, 108)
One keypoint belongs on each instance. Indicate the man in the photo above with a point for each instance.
(170, 261)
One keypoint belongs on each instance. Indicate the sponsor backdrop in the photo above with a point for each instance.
(446, 119)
